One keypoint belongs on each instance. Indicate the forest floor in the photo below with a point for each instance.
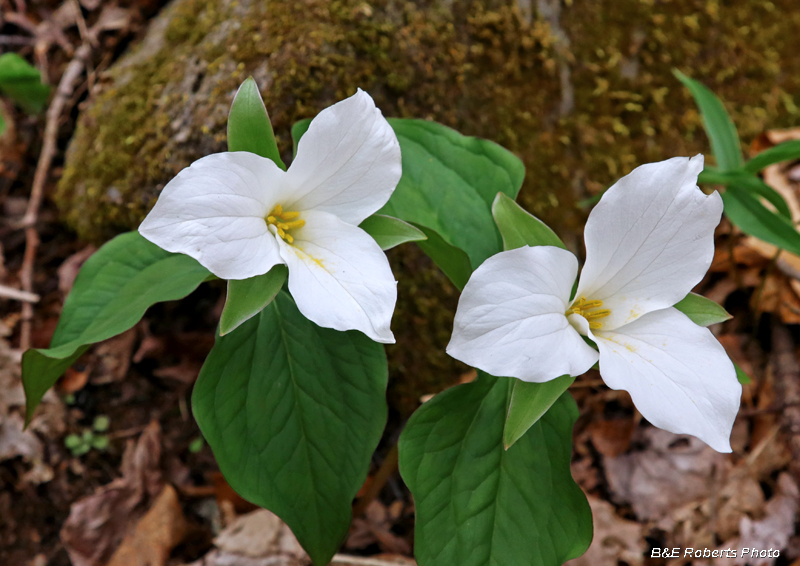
(148, 490)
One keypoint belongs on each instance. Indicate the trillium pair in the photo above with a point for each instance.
(649, 241)
(239, 214)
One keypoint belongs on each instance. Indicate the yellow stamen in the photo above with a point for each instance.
(596, 314)
(284, 221)
(587, 309)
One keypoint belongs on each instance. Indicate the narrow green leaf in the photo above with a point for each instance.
(2, 124)
(389, 232)
(719, 126)
(478, 504)
(753, 218)
(453, 261)
(249, 128)
(786, 151)
(748, 181)
(743, 378)
(22, 82)
(248, 297)
(519, 228)
(111, 294)
(702, 311)
(529, 401)
(293, 413)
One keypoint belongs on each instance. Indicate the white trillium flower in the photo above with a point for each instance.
(649, 241)
(239, 214)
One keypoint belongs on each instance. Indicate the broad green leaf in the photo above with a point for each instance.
(753, 218)
(249, 128)
(786, 151)
(111, 294)
(478, 504)
(529, 401)
(248, 297)
(453, 261)
(719, 126)
(389, 232)
(702, 311)
(293, 413)
(22, 82)
(743, 378)
(519, 228)
(449, 184)
(749, 182)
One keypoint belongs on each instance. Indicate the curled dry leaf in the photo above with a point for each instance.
(259, 538)
(97, 524)
(160, 530)
(68, 271)
(15, 440)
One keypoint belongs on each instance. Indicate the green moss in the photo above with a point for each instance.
(481, 69)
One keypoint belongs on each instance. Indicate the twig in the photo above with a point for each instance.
(388, 467)
(11, 293)
(15, 40)
(787, 388)
(49, 147)
(358, 560)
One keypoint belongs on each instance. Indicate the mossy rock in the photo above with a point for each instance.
(581, 92)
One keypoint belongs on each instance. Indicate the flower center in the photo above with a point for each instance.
(284, 221)
(588, 310)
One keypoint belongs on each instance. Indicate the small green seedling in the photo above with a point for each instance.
(80, 444)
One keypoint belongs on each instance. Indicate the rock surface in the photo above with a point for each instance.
(582, 91)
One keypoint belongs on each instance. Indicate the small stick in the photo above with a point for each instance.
(64, 91)
(388, 467)
(18, 295)
(359, 560)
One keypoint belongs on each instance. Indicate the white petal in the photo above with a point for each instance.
(348, 162)
(214, 211)
(678, 375)
(649, 240)
(511, 318)
(339, 277)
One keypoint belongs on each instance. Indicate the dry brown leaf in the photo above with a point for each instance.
(15, 440)
(671, 471)
(97, 523)
(225, 495)
(160, 530)
(375, 528)
(615, 539)
(68, 270)
(611, 437)
(113, 358)
(259, 534)
(771, 532)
